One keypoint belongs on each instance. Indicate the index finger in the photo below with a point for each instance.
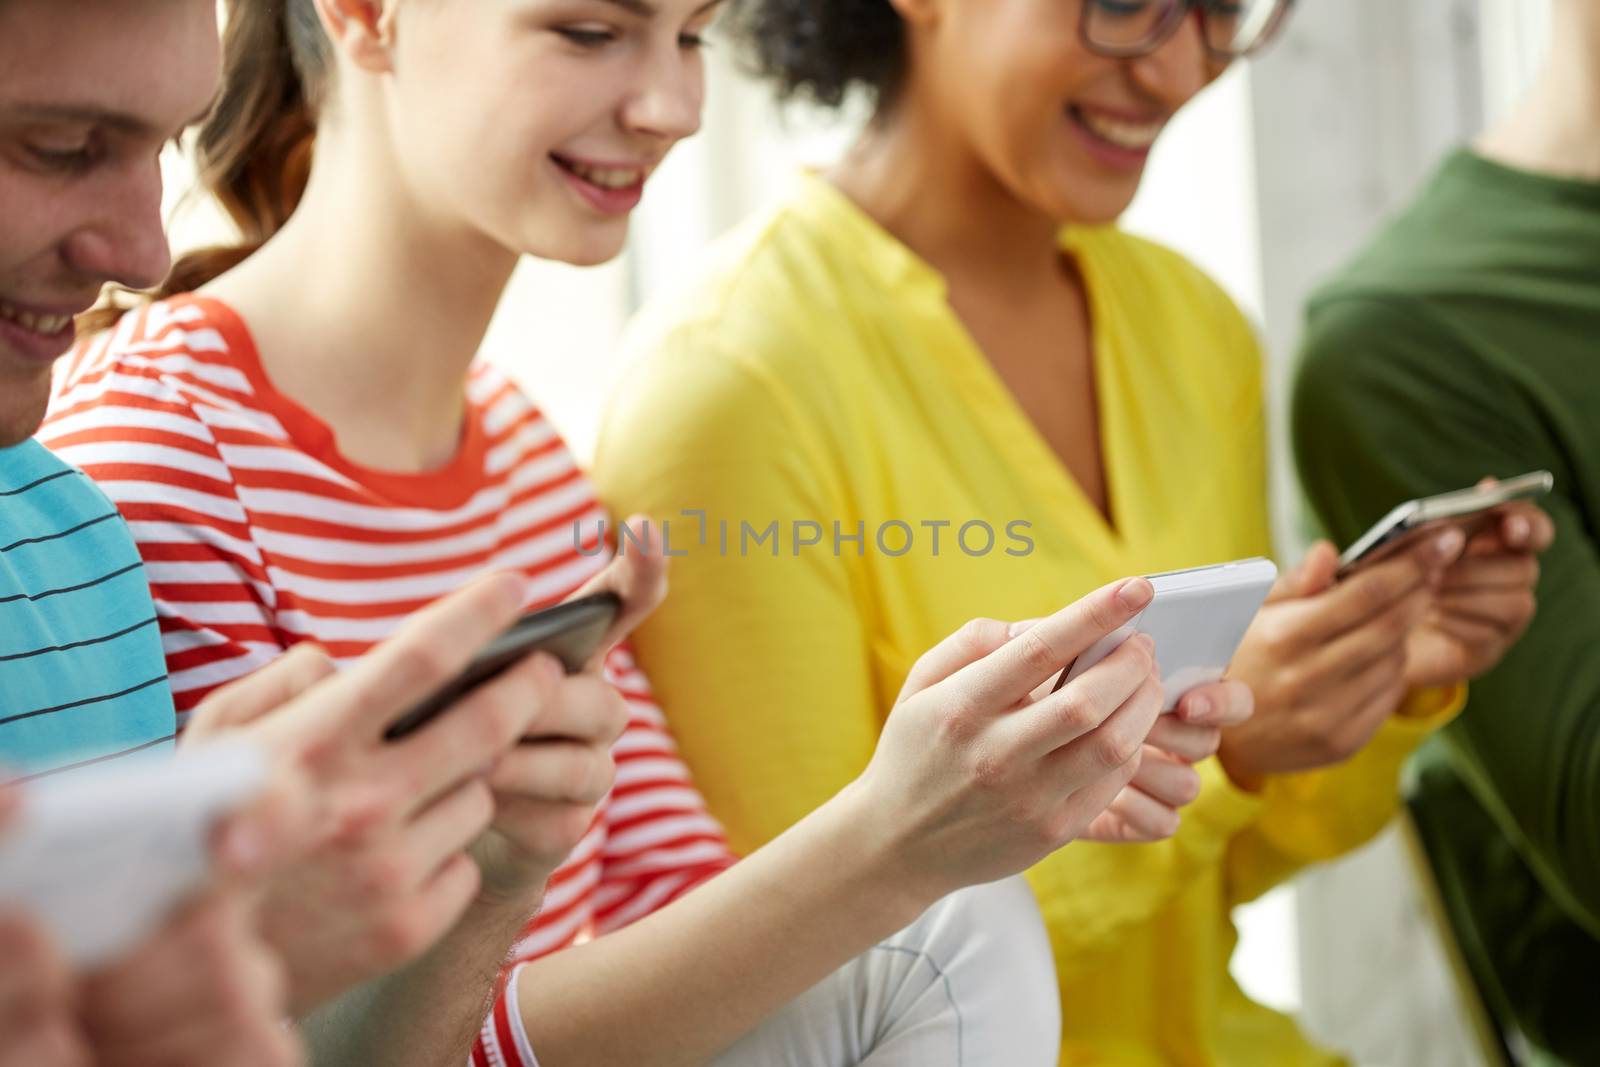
(431, 648)
(1018, 667)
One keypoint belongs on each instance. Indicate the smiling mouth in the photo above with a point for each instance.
(1118, 133)
(615, 179)
(45, 325)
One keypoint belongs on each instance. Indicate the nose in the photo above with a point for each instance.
(123, 240)
(1180, 68)
(666, 102)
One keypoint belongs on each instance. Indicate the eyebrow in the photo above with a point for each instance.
(645, 9)
(89, 115)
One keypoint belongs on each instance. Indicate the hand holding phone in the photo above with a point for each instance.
(1468, 509)
(101, 856)
(572, 632)
(1197, 619)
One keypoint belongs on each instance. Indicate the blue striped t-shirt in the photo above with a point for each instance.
(82, 676)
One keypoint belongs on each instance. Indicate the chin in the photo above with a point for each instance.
(1080, 206)
(582, 244)
(21, 413)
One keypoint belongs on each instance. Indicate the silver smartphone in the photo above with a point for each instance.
(1197, 618)
(1466, 508)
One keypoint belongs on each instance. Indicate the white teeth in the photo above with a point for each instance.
(608, 177)
(45, 324)
(1131, 135)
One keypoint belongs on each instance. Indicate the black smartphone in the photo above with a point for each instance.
(571, 632)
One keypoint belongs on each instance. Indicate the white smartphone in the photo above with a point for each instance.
(102, 856)
(1466, 508)
(1197, 618)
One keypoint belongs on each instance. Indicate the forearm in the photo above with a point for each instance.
(679, 987)
(426, 1014)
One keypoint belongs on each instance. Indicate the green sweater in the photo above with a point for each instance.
(1465, 341)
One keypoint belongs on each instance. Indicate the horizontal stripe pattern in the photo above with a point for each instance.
(256, 538)
(82, 677)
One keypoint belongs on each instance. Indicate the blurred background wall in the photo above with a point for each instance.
(1268, 181)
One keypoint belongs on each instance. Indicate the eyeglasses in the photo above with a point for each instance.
(1124, 29)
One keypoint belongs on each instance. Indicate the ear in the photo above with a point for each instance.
(363, 30)
(918, 12)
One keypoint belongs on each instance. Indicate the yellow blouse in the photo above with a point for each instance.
(848, 481)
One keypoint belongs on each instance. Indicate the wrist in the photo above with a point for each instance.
(509, 876)
(880, 856)
(1246, 778)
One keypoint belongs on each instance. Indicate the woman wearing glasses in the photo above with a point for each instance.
(966, 392)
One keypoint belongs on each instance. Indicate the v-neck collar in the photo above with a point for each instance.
(995, 406)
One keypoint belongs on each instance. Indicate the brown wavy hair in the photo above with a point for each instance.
(253, 151)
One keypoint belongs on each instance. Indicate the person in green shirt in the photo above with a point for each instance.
(1466, 339)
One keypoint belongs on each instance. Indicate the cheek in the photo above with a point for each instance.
(28, 232)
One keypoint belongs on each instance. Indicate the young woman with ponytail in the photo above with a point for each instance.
(305, 451)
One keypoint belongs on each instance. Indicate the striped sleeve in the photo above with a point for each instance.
(655, 842)
(153, 454)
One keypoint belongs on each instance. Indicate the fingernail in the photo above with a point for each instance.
(1517, 529)
(1136, 594)
(1198, 708)
(1449, 545)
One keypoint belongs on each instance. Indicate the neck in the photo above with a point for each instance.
(937, 198)
(1556, 128)
(368, 313)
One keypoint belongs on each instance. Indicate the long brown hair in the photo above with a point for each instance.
(253, 151)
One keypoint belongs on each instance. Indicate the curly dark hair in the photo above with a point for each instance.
(822, 49)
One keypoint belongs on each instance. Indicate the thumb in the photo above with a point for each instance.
(1314, 574)
(255, 695)
(637, 575)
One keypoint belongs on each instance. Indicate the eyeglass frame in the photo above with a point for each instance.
(1180, 10)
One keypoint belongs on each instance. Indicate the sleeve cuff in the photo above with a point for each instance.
(503, 1041)
(1425, 710)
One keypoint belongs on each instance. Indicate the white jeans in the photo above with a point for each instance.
(969, 984)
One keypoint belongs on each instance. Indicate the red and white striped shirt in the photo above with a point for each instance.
(257, 534)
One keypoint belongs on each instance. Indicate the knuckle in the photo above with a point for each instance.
(1187, 789)
(1115, 748)
(988, 772)
(1393, 626)
(958, 723)
(1103, 615)
(1375, 595)
(396, 936)
(974, 635)
(1294, 683)
(1035, 652)
(1077, 713)
(381, 876)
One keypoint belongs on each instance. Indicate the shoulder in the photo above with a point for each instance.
(1158, 276)
(172, 369)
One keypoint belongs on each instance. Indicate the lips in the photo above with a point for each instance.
(1119, 141)
(610, 188)
(35, 334)
(1126, 134)
(38, 322)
